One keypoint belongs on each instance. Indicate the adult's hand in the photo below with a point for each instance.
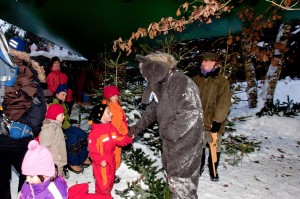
(215, 127)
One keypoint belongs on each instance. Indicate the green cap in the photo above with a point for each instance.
(210, 56)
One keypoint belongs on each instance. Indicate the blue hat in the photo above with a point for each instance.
(17, 44)
(61, 88)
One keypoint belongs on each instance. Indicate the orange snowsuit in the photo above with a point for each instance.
(120, 123)
(103, 139)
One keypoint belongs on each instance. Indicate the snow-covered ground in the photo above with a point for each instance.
(271, 172)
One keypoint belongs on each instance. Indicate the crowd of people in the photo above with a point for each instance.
(190, 113)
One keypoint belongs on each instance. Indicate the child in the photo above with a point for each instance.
(76, 138)
(111, 95)
(52, 136)
(41, 176)
(103, 139)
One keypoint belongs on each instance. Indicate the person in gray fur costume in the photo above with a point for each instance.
(173, 101)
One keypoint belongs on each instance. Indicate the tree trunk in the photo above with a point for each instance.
(250, 76)
(275, 67)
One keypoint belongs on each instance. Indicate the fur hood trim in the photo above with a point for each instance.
(35, 65)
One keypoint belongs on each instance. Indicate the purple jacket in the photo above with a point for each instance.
(45, 190)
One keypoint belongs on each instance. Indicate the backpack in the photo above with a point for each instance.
(8, 77)
(8, 72)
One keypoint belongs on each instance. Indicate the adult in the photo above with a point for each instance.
(76, 138)
(216, 101)
(177, 109)
(55, 77)
(24, 103)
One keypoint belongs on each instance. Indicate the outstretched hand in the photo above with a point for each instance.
(131, 133)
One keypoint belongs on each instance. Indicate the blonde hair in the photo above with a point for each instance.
(164, 58)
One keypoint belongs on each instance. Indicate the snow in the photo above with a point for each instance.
(52, 50)
(270, 172)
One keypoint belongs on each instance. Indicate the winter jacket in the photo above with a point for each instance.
(215, 98)
(179, 115)
(52, 137)
(54, 79)
(17, 98)
(45, 190)
(103, 139)
(119, 121)
(80, 191)
(35, 115)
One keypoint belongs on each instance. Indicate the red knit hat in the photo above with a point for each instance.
(54, 110)
(110, 91)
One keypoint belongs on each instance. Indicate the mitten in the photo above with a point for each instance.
(215, 127)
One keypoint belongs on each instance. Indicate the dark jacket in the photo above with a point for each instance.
(33, 117)
(179, 114)
(215, 98)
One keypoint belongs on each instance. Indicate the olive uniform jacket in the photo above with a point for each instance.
(215, 98)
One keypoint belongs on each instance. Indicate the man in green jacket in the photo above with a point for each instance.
(216, 101)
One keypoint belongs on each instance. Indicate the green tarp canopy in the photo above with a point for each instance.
(86, 26)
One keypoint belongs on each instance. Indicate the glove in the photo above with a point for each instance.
(215, 127)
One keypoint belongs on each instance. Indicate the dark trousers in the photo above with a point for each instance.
(209, 161)
(76, 143)
(8, 159)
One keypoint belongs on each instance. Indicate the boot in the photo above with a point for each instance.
(66, 174)
(211, 172)
(202, 162)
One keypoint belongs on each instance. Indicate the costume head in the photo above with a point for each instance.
(38, 161)
(156, 69)
(97, 113)
(110, 91)
(61, 88)
(53, 111)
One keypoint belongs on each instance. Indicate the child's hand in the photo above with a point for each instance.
(103, 163)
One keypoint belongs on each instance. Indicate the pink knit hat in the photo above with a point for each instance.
(38, 161)
(110, 91)
(54, 110)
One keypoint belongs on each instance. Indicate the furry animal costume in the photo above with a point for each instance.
(178, 112)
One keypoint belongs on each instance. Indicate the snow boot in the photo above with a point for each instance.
(66, 174)
(202, 162)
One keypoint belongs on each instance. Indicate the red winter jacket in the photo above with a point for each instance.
(103, 139)
(80, 191)
(54, 79)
